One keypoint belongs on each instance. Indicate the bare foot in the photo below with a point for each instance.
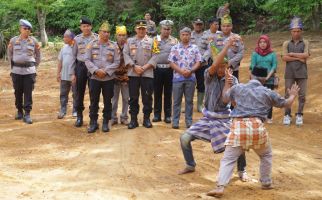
(218, 192)
(186, 170)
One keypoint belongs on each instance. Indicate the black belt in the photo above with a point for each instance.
(25, 65)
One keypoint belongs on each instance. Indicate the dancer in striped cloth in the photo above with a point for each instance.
(253, 102)
(215, 124)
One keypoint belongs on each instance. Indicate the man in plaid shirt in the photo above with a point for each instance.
(253, 102)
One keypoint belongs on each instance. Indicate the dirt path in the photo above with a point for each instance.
(51, 159)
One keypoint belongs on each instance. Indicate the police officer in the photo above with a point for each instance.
(197, 38)
(151, 27)
(81, 71)
(24, 54)
(138, 56)
(163, 73)
(210, 34)
(101, 61)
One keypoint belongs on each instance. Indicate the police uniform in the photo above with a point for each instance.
(81, 71)
(163, 74)
(138, 52)
(24, 55)
(201, 41)
(101, 56)
(151, 28)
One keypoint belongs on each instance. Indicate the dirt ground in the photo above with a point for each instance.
(51, 159)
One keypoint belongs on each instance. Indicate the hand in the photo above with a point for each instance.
(58, 78)
(302, 60)
(100, 73)
(73, 78)
(294, 90)
(187, 73)
(138, 69)
(229, 80)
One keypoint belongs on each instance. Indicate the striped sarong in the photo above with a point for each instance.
(247, 133)
(213, 127)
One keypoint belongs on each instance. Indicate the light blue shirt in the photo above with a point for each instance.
(68, 60)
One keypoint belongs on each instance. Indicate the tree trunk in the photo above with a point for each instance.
(41, 15)
(316, 16)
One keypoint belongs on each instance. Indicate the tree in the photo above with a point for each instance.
(284, 10)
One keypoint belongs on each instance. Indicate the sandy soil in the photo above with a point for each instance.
(51, 159)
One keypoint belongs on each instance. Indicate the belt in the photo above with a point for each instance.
(25, 65)
(163, 65)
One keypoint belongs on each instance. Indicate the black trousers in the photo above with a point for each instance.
(107, 89)
(163, 84)
(146, 86)
(270, 113)
(241, 162)
(23, 86)
(82, 79)
(200, 76)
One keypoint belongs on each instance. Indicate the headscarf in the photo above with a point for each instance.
(268, 50)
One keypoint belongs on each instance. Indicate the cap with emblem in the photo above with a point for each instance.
(85, 20)
(69, 33)
(166, 23)
(185, 30)
(226, 19)
(140, 24)
(121, 30)
(105, 27)
(198, 20)
(259, 72)
(296, 22)
(25, 23)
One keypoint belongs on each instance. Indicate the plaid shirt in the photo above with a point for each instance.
(247, 133)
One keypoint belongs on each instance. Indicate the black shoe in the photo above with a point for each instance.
(175, 126)
(147, 123)
(93, 126)
(105, 127)
(156, 119)
(79, 121)
(27, 119)
(167, 120)
(133, 124)
(19, 115)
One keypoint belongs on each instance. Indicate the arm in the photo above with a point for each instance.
(253, 61)
(110, 69)
(221, 56)
(299, 55)
(92, 68)
(273, 68)
(127, 58)
(59, 67)
(10, 52)
(37, 53)
(227, 91)
(176, 68)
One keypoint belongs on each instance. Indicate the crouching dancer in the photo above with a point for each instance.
(215, 124)
(253, 102)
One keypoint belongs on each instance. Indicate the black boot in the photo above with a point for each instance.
(79, 120)
(105, 127)
(19, 115)
(27, 119)
(133, 123)
(157, 118)
(93, 126)
(147, 122)
(167, 120)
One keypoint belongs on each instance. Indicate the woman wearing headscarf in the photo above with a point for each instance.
(265, 57)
